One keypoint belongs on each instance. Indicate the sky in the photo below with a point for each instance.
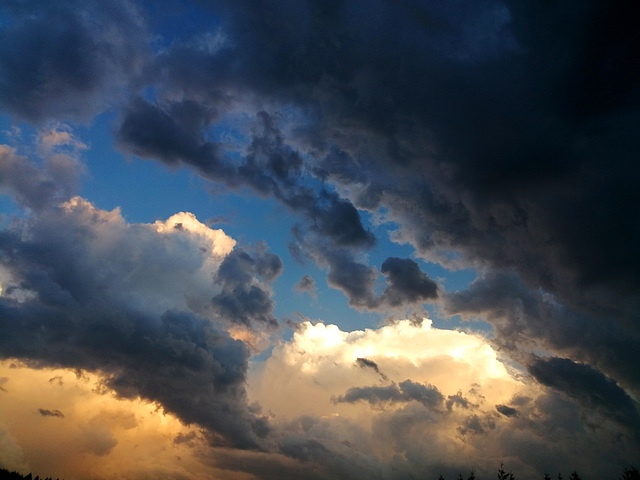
(338, 239)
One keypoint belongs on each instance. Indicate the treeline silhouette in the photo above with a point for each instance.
(630, 473)
(627, 474)
(7, 475)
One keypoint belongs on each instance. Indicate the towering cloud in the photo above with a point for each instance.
(84, 289)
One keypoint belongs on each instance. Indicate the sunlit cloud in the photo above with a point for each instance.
(98, 431)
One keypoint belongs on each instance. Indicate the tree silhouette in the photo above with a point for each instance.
(502, 475)
(630, 473)
(7, 475)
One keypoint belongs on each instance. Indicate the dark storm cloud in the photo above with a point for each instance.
(403, 392)
(355, 279)
(477, 425)
(187, 439)
(366, 363)
(243, 299)
(50, 413)
(192, 369)
(499, 135)
(458, 400)
(589, 387)
(267, 466)
(77, 297)
(172, 134)
(520, 314)
(407, 283)
(513, 171)
(507, 411)
(61, 59)
(499, 131)
(33, 187)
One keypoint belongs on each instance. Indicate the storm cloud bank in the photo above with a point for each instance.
(84, 289)
(498, 136)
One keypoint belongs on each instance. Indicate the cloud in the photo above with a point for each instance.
(322, 358)
(100, 432)
(589, 386)
(507, 411)
(475, 424)
(185, 438)
(172, 134)
(244, 298)
(405, 391)
(447, 402)
(510, 156)
(68, 60)
(307, 284)
(366, 363)
(50, 413)
(92, 292)
(523, 317)
(36, 188)
(407, 286)
(98, 441)
(11, 454)
(407, 283)
(496, 136)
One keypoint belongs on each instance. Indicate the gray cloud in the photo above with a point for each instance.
(37, 188)
(458, 400)
(50, 413)
(507, 411)
(307, 284)
(477, 425)
(172, 133)
(187, 439)
(366, 363)
(496, 134)
(407, 283)
(493, 158)
(79, 303)
(405, 391)
(60, 60)
(243, 298)
(520, 314)
(589, 386)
